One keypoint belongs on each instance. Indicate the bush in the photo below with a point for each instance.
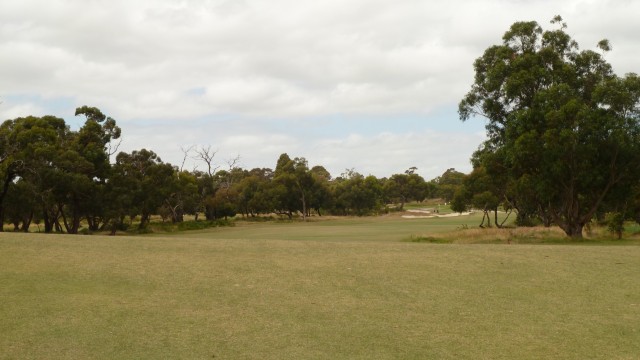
(615, 223)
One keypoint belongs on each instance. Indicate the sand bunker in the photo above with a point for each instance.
(431, 215)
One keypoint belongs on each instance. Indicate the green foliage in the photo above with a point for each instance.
(402, 188)
(358, 195)
(563, 130)
(459, 203)
(447, 184)
(64, 179)
(615, 223)
(168, 227)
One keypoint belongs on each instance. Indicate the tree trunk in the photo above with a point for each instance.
(64, 219)
(26, 222)
(5, 188)
(304, 208)
(574, 231)
(485, 215)
(48, 226)
(56, 223)
(144, 219)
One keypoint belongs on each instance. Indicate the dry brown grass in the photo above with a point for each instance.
(295, 292)
(520, 235)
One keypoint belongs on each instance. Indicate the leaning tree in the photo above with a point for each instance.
(564, 124)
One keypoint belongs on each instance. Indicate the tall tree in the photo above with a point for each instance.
(566, 125)
(294, 176)
(28, 148)
(84, 167)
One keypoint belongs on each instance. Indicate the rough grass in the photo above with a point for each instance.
(291, 294)
(524, 235)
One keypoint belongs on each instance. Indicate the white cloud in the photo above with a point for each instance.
(379, 153)
(178, 62)
(10, 110)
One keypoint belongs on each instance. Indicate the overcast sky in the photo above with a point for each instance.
(365, 84)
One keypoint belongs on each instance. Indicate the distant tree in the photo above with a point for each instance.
(294, 176)
(320, 194)
(254, 192)
(150, 183)
(222, 204)
(460, 202)
(357, 195)
(183, 198)
(402, 188)
(448, 183)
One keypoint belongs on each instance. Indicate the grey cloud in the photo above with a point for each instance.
(278, 59)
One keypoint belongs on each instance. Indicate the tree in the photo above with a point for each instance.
(448, 183)
(22, 205)
(83, 168)
(294, 176)
(320, 197)
(28, 148)
(145, 183)
(562, 121)
(402, 188)
(358, 195)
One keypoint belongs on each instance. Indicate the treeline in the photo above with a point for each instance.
(64, 180)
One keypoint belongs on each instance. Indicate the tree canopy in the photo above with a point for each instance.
(563, 129)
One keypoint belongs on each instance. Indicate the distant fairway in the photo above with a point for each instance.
(385, 228)
(323, 290)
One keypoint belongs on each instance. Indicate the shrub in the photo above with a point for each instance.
(615, 223)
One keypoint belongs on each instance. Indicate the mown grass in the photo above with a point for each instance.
(370, 229)
(275, 291)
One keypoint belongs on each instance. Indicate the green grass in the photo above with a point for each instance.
(343, 289)
(374, 229)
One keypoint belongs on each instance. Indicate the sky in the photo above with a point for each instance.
(369, 85)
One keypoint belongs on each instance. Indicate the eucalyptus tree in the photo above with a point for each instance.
(28, 148)
(356, 194)
(296, 184)
(566, 125)
(82, 167)
(320, 195)
(447, 184)
(402, 188)
(144, 183)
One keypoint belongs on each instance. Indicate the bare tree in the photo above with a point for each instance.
(186, 153)
(206, 155)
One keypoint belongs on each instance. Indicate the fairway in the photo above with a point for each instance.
(250, 293)
(384, 228)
